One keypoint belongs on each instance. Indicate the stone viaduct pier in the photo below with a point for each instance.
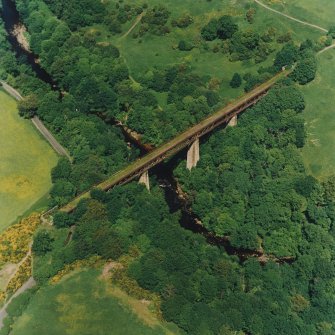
(189, 138)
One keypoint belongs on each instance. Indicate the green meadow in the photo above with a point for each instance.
(319, 152)
(141, 54)
(25, 164)
(85, 304)
(320, 12)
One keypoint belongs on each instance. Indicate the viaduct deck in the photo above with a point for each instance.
(181, 141)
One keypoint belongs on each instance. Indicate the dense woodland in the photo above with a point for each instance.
(250, 187)
(250, 183)
(267, 202)
(94, 75)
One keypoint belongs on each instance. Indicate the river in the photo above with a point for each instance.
(11, 19)
(163, 171)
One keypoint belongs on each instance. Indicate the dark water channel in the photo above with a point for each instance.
(163, 172)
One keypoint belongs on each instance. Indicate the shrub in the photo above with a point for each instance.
(236, 81)
(209, 32)
(42, 243)
(331, 31)
(305, 71)
(62, 220)
(185, 45)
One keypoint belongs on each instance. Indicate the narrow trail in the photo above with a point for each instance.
(326, 49)
(39, 125)
(137, 21)
(26, 286)
(291, 17)
(20, 263)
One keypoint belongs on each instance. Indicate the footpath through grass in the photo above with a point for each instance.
(25, 163)
(82, 304)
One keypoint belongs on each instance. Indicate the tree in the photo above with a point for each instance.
(185, 45)
(42, 242)
(62, 220)
(331, 31)
(183, 21)
(226, 27)
(155, 20)
(250, 15)
(305, 71)
(62, 191)
(286, 56)
(28, 105)
(209, 32)
(62, 170)
(236, 81)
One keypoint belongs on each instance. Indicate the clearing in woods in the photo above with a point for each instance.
(25, 163)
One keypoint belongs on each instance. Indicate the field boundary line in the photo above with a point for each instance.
(37, 122)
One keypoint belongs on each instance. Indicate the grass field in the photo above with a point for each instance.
(320, 12)
(142, 54)
(25, 164)
(319, 153)
(83, 304)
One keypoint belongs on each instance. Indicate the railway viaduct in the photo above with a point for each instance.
(190, 138)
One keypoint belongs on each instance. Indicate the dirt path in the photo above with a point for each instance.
(291, 17)
(137, 21)
(18, 265)
(49, 137)
(11, 91)
(26, 286)
(326, 49)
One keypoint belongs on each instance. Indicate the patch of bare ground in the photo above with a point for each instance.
(142, 308)
(18, 32)
(6, 273)
(108, 267)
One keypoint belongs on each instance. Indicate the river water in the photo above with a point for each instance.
(163, 172)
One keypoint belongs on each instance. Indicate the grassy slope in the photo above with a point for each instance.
(83, 304)
(161, 51)
(319, 12)
(319, 151)
(320, 118)
(25, 164)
